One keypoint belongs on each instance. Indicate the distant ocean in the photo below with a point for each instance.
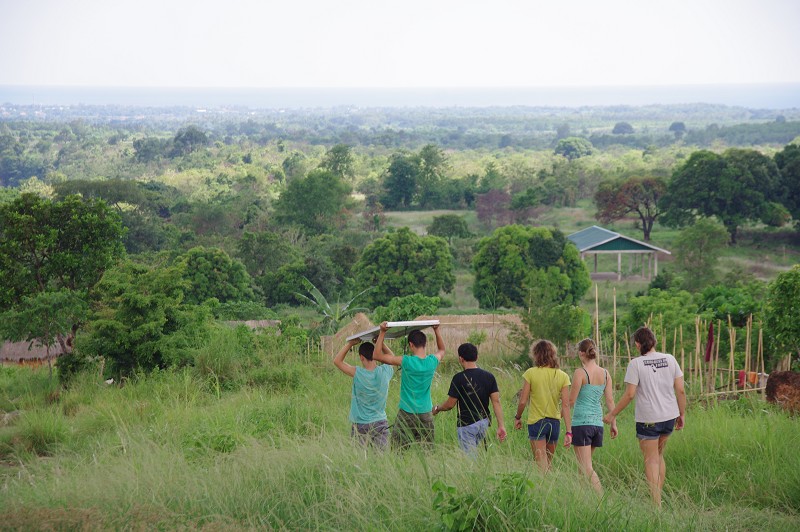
(783, 96)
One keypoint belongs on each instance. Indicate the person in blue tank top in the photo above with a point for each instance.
(590, 384)
(368, 396)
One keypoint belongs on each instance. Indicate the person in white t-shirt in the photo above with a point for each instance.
(656, 381)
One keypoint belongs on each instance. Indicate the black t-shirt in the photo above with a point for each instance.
(472, 388)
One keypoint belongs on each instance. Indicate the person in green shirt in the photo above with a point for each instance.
(369, 392)
(414, 422)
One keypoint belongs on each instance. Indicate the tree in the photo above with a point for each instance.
(332, 314)
(53, 253)
(432, 167)
(622, 128)
(736, 187)
(313, 202)
(449, 226)
(211, 273)
(678, 128)
(188, 139)
(697, 251)
(339, 161)
(510, 262)
(788, 163)
(637, 195)
(401, 181)
(573, 148)
(403, 263)
(140, 320)
(782, 312)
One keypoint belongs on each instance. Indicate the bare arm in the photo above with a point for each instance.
(609, 395)
(380, 353)
(624, 401)
(567, 415)
(447, 405)
(577, 382)
(439, 343)
(498, 414)
(680, 394)
(524, 395)
(339, 362)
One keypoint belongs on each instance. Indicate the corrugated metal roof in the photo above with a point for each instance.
(592, 238)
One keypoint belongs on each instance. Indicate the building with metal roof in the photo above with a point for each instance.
(597, 241)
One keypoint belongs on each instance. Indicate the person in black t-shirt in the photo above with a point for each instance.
(471, 390)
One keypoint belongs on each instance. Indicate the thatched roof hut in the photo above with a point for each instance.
(27, 353)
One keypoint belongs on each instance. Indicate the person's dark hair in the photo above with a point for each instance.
(468, 352)
(366, 349)
(417, 338)
(544, 354)
(645, 338)
(587, 346)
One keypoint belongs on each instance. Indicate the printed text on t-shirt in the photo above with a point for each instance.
(656, 364)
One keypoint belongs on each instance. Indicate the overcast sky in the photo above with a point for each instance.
(388, 43)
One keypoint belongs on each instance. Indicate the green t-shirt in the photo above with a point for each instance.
(415, 383)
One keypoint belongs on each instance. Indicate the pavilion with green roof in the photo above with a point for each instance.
(598, 241)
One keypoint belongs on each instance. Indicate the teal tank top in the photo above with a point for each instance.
(588, 409)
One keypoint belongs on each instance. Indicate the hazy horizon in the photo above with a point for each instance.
(757, 96)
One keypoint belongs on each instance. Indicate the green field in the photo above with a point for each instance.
(265, 445)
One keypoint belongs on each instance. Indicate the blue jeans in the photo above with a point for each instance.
(471, 436)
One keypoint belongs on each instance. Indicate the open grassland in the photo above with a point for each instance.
(270, 448)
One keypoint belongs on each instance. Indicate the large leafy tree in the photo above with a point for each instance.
(339, 161)
(211, 273)
(140, 319)
(638, 196)
(401, 181)
(573, 148)
(53, 252)
(403, 263)
(313, 202)
(515, 258)
(788, 161)
(782, 312)
(735, 187)
(449, 226)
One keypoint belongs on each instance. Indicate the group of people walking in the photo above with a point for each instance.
(654, 379)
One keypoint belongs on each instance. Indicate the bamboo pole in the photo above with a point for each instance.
(716, 354)
(697, 347)
(747, 350)
(614, 363)
(596, 317)
(732, 335)
(683, 367)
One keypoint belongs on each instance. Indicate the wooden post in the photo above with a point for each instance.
(596, 317)
(731, 365)
(716, 355)
(614, 363)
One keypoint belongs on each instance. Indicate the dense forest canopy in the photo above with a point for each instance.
(250, 213)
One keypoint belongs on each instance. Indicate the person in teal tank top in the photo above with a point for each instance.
(368, 396)
(590, 384)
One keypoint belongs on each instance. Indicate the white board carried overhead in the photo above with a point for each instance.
(396, 329)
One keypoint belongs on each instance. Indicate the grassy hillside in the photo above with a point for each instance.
(269, 448)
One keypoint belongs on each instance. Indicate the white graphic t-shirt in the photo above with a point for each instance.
(654, 375)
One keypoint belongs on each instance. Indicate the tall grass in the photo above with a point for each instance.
(167, 450)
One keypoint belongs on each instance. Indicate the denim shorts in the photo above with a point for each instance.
(583, 435)
(545, 429)
(652, 431)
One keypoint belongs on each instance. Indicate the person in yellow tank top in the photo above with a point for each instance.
(546, 394)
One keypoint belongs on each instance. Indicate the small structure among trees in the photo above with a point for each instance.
(597, 241)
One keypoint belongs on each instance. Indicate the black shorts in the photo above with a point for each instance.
(583, 435)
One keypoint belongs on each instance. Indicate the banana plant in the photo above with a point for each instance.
(332, 314)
